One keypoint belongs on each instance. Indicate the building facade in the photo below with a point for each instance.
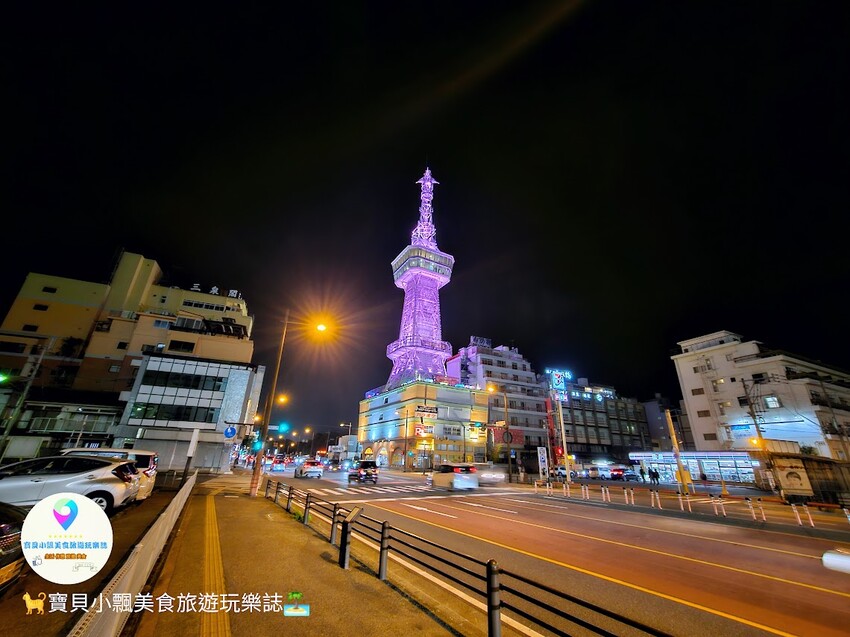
(740, 394)
(75, 350)
(600, 427)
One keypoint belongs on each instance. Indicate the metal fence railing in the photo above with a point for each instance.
(506, 596)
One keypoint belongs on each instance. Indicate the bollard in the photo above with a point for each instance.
(761, 510)
(535, 487)
(652, 498)
(277, 492)
(750, 507)
(632, 493)
(585, 492)
(306, 510)
(333, 523)
(385, 550)
(567, 490)
(796, 514)
(688, 500)
(494, 602)
(847, 513)
(268, 484)
(289, 501)
(809, 514)
(658, 497)
(681, 502)
(722, 503)
(626, 495)
(713, 503)
(345, 538)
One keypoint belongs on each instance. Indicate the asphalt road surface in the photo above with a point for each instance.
(684, 575)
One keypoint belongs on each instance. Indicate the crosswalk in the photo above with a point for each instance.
(413, 488)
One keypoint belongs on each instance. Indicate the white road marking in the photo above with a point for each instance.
(418, 508)
(484, 506)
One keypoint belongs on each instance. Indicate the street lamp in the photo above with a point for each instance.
(348, 440)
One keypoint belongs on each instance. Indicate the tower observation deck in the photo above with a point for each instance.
(421, 269)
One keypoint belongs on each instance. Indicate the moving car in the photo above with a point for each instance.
(364, 471)
(630, 476)
(146, 462)
(489, 474)
(310, 469)
(455, 476)
(109, 482)
(11, 554)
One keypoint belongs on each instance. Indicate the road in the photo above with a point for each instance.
(669, 570)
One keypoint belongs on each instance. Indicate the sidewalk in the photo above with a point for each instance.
(240, 557)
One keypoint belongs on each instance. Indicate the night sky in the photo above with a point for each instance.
(615, 177)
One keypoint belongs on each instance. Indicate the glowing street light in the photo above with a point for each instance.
(264, 429)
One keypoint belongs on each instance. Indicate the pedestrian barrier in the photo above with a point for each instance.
(134, 572)
(506, 597)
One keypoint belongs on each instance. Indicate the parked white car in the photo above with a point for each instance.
(454, 476)
(146, 462)
(109, 482)
(310, 469)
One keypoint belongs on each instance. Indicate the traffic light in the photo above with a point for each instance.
(559, 451)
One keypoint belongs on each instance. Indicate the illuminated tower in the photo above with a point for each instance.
(420, 270)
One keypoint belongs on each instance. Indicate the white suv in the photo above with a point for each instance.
(146, 463)
(109, 482)
(310, 469)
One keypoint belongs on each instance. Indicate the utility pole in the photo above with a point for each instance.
(678, 456)
(835, 424)
(759, 438)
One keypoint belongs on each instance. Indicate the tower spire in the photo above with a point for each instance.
(421, 269)
(425, 234)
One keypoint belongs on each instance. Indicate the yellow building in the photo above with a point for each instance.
(92, 338)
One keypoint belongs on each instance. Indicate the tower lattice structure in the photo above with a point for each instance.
(421, 269)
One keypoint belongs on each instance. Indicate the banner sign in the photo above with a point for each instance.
(426, 412)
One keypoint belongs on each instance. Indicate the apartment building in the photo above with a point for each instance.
(743, 395)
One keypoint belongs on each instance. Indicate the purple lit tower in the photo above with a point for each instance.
(420, 270)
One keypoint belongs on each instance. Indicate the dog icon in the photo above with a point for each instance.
(35, 604)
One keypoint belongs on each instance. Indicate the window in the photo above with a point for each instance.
(122, 345)
(48, 289)
(114, 369)
(514, 366)
(181, 346)
(715, 384)
(451, 430)
(703, 413)
(39, 307)
(709, 436)
(759, 377)
(721, 409)
(160, 324)
(743, 401)
(699, 391)
(30, 328)
(772, 402)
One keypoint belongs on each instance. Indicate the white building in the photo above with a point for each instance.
(172, 396)
(728, 383)
(514, 392)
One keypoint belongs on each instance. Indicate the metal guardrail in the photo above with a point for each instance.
(134, 572)
(541, 606)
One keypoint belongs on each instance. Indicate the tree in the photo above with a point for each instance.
(808, 450)
(295, 597)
